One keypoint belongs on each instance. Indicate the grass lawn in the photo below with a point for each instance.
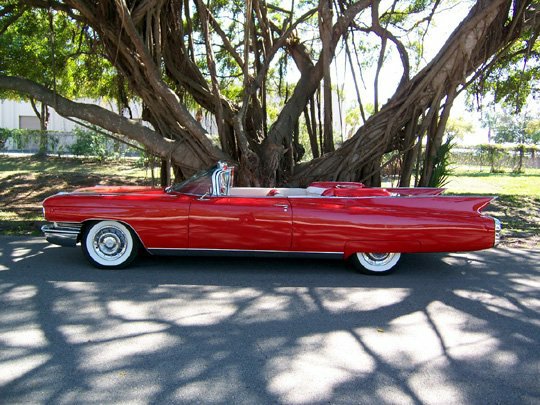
(72, 166)
(474, 180)
(26, 181)
(517, 205)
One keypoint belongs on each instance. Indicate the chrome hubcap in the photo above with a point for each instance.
(378, 259)
(109, 243)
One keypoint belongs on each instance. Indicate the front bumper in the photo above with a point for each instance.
(63, 234)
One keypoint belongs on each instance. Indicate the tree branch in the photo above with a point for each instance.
(226, 43)
(103, 118)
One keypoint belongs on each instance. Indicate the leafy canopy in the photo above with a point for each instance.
(57, 52)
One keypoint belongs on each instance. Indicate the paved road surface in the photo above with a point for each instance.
(458, 328)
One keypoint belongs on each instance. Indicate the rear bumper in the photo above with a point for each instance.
(498, 230)
(63, 234)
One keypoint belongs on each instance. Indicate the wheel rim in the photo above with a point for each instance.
(378, 259)
(109, 243)
(378, 262)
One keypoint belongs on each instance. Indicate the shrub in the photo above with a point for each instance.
(22, 138)
(493, 154)
(91, 143)
(4, 135)
(441, 169)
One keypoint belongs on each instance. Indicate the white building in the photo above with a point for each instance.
(20, 115)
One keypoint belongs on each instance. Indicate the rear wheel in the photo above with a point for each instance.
(375, 263)
(109, 245)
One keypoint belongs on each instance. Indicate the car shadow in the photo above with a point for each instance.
(52, 263)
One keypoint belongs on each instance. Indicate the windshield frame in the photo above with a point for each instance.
(214, 182)
(205, 174)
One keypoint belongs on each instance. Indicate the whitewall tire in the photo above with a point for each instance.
(375, 263)
(109, 245)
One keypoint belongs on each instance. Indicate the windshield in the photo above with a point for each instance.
(198, 184)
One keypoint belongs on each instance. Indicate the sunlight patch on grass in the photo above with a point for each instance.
(54, 165)
(13, 215)
(483, 182)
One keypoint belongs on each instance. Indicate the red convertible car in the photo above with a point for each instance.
(206, 215)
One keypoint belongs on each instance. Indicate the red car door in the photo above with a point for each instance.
(240, 223)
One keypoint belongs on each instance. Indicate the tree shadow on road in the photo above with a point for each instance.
(443, 328)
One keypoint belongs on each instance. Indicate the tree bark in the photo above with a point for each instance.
(325, 29)
(152, 44)
(177, 151)
(479, 36)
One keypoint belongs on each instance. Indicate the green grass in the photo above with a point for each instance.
(56, 165)
(467, 180)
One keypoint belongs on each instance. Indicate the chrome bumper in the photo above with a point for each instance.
(498, 230)
(63, 234)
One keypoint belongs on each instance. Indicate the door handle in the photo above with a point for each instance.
(284, 206)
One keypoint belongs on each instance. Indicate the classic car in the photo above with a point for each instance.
(207, 215)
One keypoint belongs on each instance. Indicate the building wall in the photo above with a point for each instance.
(11, 112)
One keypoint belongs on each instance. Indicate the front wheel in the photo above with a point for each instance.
(375, 263)
(109, 245)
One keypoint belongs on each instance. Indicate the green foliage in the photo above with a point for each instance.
(458, 128)
(513, 78)
(22, 138)
(496, 157)
(91, 143)
(492, 154)
(29, 139)
(353, 120)
(27, 48)
(442, 167)
(517, 128)
(97, 144)
(57, 52)
(4, 136)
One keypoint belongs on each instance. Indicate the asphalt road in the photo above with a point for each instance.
(456, 328)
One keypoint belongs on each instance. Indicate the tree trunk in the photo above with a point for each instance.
(152, 44)
(43, 116)
(480, 35)
(435, 137)
(43, 124)
(325, 29)
(165, 173)
(521, 150)
(410, 153)
(311, 130)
